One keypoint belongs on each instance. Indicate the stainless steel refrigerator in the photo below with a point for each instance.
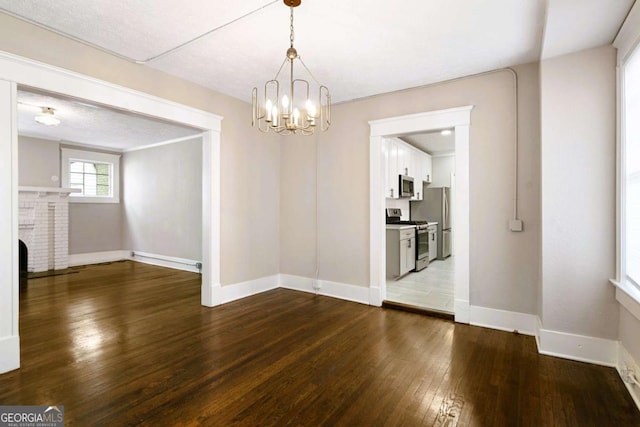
(434, 207)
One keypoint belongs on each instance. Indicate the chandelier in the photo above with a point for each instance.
(300, 108)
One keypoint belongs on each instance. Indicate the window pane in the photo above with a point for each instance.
(102, 168)
(92, 178)
(103, 190)
(76, 167)
(632, 165)
(102, 179)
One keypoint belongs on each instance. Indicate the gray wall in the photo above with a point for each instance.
(578, 121)
(504, 265)
(162, 200)
(94, 227)
(38, 162)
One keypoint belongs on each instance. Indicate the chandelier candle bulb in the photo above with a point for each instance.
(298, 114)
(268, 108)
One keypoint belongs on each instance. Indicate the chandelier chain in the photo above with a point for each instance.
(291, 27)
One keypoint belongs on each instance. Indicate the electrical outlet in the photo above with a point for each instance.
(516, 225)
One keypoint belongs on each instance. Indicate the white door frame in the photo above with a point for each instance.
(16, 70)
(460, 119)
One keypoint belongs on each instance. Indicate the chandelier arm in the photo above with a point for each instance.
(280, 69)
(308, 70)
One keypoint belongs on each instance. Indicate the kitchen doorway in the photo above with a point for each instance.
(431, 284)
(457, 119)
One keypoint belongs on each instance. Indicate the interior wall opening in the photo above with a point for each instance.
(458, 121)
(420, 255)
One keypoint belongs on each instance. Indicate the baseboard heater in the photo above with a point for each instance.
(196, 264)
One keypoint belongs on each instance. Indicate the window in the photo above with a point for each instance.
(96, 175)
(631, 167)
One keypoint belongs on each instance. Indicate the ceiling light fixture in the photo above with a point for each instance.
(47, 117)
(446, 132)
(294, 112)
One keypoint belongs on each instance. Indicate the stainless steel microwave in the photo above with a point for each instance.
(406, 186)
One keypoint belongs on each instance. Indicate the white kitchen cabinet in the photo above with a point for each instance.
(391, 151)
(404, 158)
(419, 166)
(401, 250)
(428, 168)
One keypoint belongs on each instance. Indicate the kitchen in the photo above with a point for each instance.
(420, 180)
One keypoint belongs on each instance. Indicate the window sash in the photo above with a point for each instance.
(95, 174)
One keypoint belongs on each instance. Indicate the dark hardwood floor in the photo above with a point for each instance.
(127, 344)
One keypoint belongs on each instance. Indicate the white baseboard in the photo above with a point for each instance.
(164, 261)
(503, 320)
(9, 353)
(375, 297)
(240, 290)
(342, 291)
(97, 257)
(461, 311)
(626, 361)
(582, 348)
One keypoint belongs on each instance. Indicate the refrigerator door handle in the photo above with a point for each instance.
(445, 220)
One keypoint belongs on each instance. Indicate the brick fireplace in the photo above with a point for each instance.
(44, 226)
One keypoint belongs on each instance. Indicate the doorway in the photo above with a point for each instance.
(430, 285)
(16, 71)
(457, 119)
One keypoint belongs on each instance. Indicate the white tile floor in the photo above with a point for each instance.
(430, 288)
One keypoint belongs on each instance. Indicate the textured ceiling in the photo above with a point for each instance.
(87, 124)
(357, 48)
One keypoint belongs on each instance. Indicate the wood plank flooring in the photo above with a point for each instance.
(129, 344)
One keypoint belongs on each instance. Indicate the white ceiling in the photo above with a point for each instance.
(88, 124)
(357, 48)
(433, 143)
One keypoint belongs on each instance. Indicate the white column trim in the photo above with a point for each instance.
(9, 254)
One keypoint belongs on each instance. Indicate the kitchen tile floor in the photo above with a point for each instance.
(431, 288)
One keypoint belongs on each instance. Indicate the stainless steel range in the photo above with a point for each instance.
(422, 236)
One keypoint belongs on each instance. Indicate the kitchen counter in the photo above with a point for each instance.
(399, 226)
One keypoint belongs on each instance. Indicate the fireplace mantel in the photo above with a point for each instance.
(48, 191)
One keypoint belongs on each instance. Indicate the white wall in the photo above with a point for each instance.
(162, 200)
(443, 167)
(578, 140)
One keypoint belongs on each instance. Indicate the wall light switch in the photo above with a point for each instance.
(515, 225)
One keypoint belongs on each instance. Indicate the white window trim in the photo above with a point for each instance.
(627, 42)
(68, 154)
